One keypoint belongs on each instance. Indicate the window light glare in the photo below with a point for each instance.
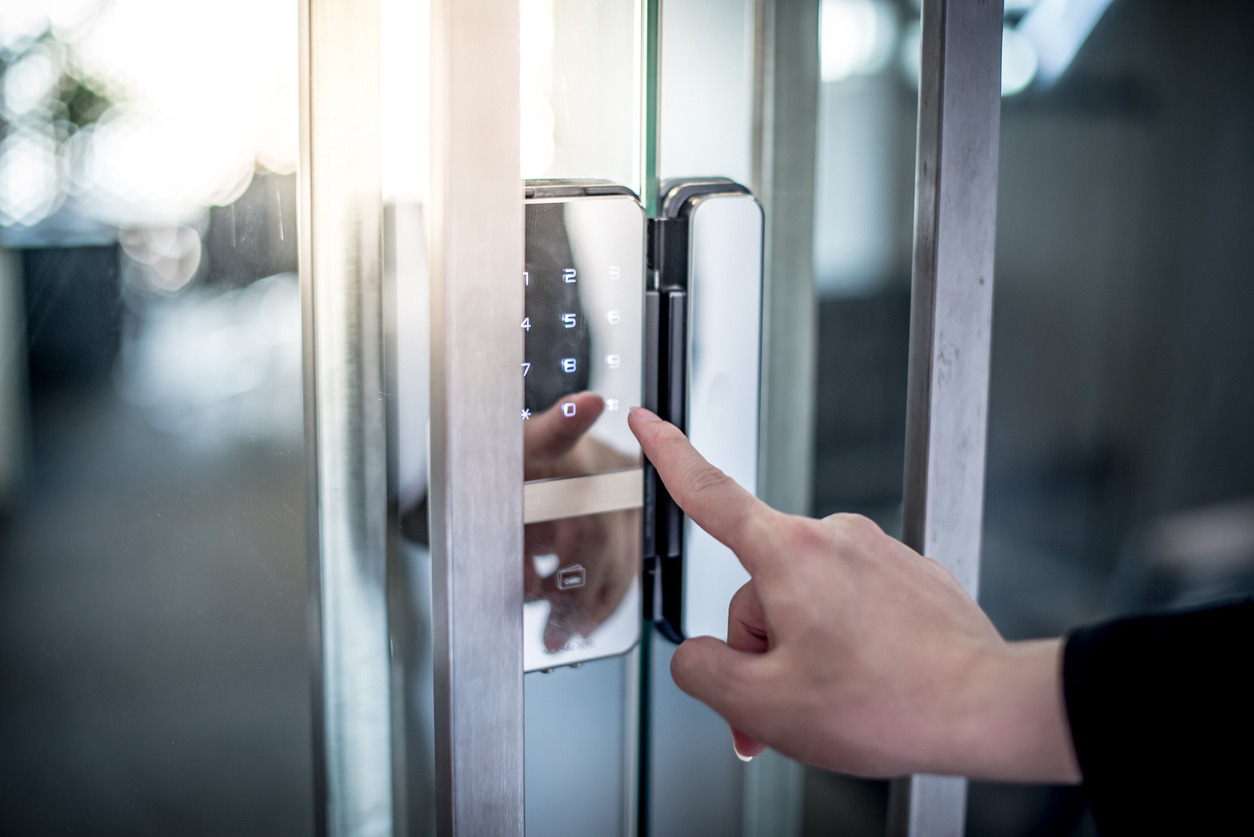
(1018, 62)
(1018, 59)
(1057, 29)
(856, 38)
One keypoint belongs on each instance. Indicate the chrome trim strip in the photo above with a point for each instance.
(723, 377)
(576, 496)
(341, 280)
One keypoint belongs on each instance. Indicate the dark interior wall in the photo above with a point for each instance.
(1120, 350)
(1204, 438)
(1084, 252)
(73, 315)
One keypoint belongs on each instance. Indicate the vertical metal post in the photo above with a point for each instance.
(476, 258)
(345, 427)
(786, 103)
(950, 326)
(650, 102)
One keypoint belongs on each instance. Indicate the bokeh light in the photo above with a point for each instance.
(856, 38)
(166, 257)
(32, 80)
(30, 176)
(198, 96)
(1018, 62)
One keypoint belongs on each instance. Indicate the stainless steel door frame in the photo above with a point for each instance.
(950, 327)
(476, 488)
(345, 422)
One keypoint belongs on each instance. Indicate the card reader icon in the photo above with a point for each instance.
(571, 578)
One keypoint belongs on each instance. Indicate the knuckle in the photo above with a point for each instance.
(686, 663)
(742, 688)
(853, 525)
(743, 597)
(802, 534)
(705, 479)
(755, 528)
(865, 525)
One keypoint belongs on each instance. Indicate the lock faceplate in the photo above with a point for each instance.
(583, 365)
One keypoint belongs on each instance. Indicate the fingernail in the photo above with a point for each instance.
(739, 754)
(642, 414)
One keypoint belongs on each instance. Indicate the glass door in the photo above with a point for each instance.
(153, 586)
(290, 298)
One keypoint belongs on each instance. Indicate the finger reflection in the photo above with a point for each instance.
(582, 567)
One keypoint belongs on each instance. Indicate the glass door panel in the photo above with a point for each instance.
(581, 118)
(152, 529)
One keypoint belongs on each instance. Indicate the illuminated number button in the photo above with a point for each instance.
(614, 317)
(568, 364)
(613, 361)
(568, 275)
(568, 409)
(568, 320)
(611, 404)
(614, 272)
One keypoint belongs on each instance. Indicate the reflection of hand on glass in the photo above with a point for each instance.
(606, 546)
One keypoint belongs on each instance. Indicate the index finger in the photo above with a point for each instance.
(711, 498)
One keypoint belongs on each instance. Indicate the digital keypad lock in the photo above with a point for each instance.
(619, 312)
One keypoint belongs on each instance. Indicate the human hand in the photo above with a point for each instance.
(850, 651)
(606, 545)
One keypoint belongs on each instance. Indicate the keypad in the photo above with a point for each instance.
(583, 327)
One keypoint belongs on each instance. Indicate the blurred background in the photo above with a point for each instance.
(153, 630)
(1121, 416)
(152, 569)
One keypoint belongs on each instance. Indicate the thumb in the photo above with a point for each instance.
(721, 677)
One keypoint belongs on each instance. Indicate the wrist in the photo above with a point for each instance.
(1011, 721)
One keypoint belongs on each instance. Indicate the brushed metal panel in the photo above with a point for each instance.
(341, 278)
(476, 498)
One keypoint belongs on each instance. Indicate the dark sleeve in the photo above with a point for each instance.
(1160, 710)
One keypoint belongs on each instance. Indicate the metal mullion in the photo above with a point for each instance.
(950, 328)
(476, 489)
(651, 102)
(345, 422)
